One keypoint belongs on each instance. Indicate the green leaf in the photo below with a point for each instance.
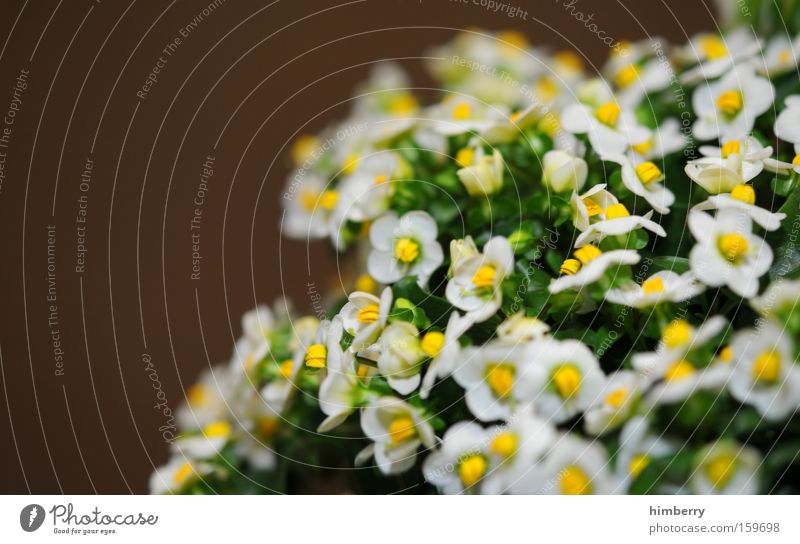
(679, 265)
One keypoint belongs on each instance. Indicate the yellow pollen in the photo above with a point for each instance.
(648, 172)
(303, 148)
(362, 371)
(726, 354)
(462, 111)
(504, 444)
(366, 284)
(350, 163)
(403, 104)
(432, 343)
(268, 426)
(729, 148)
(679, 370)
(465, 157)
(501, 379)
(744, 193)
(285, 368)
(653, 285)
(574, 481)
(676, 333)
(616, 398)
(615, 211)
(196, 395)
(183, 473)
(713, 47)
(569, 59)
(587, 254)
(513, 39)
(471, 469)
(785, 56)
(309, 200)
(570, 267)
(406, 250)
(546, 88)
(592, 207)
(608, 114)
(484, 277)
(730, 103)
(767, 367)
(626, 76)
(368, 314)
(328, 200)
(514, 117)
(796, 160)
(638, 464)
(316, 356)
(401, 429)
(733, 246)
(217, 429)
(567, 380)
(720, 470)
(380, 180)
(643, 147)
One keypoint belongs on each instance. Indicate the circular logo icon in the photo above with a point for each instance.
(31, 517)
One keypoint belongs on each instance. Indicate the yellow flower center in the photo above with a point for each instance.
(513, 38)
(796, 160)
(616, 398)
(592, 207)
(350, 163)
(615, 211)
(309, 200)
(608, 114)
(570, 267)
(720, 470)
(638, 464)
(484, 277)
(653, 285)
(303, 148)
(745, 193)
(767, 366)
(569, 60)
(567, 380)
(726, 354)
(785, 56)
(730, 103)
(729, 148)
(643, 147)
(504, 444)
(679, 370)
(549, 124)
(713, 47)
(462, 111)
(546, 89)
(501, 379)
(328, 200)
(733, 246)
(285, 368)
(676, 333)
(406, 250)
(471, 469)
(587, 254)
(196, 395)
(403, 104)
(401, 429)
(316, 356)
(626, 76)
(368, 314)
(366, 283)
(574, 481)
(183, 473)
(432, 343)
(218, 429)
(648, 172)
(380, 180)
(465, 157)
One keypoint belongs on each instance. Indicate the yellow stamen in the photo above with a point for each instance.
(648, 172)
(217, 429)
(643, 147)
(744, 193)
(729, 148)
(720, 470)
(350, 163)
(592, 207)
(767, 367)
(484, 277)
(567, 380)
(626, 76)
(432, 343)
(286, 368)
(309, 200)
(183, 473)
(616, 398)
(713, 47)
(328, 200)
(368, 314)
(569, 60)
(513, 39)
(796, 160)
(403, 104)
(570, 267)
(316, 356)
(549, 124)
(303, 148)
(546, 89)
(679, 370)
(366, 283)
(462, 111)
(501, 379)
(653, 285)
(638, 464)
(733, 246)
(504, 444)
(587, 254)
(574, 481)
(730, 103)
(196, 395)
(471, 469)
(676, 333)
(608, 114)
(465, 157)
(726, 354)
(615, 211)
(785, 56)
(380, 180)
(406, 250)
(401, 429)
(362, 371)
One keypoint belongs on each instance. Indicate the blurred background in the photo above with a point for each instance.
(116, 291)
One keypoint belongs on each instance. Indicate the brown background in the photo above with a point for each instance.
(250, 76)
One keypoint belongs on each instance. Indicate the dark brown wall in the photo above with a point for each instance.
(249, 77)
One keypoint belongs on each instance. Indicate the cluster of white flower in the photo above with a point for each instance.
(596, 325)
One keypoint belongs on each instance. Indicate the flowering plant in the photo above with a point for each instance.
(571, 284)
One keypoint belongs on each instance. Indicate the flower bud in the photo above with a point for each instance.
(563, 171)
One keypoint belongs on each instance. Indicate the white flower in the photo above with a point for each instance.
(618, 221)
(257, 454)
(742, 198)
(779, 57)
(176, 475)
(663, 286)
(497, 378)
(404, 247)
(461, 250)
(458, 114)
(401, 356)
(610, 129)
(667, 138)
(397, 430)
(339, 392)
(787, 124)
(205, 443)
(206, 399)
(614, 404)
(716, 55)
(644, 179)
(484, 175)
(365, 315)
(476, 283)
(637, 72)
(520, 328)
(591, 206)
(720, 175)
(443, 349)
(765, 373)
(680, 379)
(567, 378)
(461, 461)
(364, 194)
(725, 468)
(257, 325)
(637, 448)
(728, 108)
(780, 300)
(562, 171)
(590, 267)
(754, 158)
(727, 252)
(308, 204)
